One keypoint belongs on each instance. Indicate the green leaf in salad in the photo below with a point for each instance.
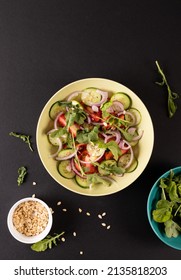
(172, 229)
(94, 179)
(22, 171)
(24, 138)
(46, 243)
(168, 208)
(113, 147)
(88, 136)
(172, 107)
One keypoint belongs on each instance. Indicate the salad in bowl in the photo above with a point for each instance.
(91, 134)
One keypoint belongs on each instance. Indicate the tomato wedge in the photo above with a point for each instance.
(73, 128)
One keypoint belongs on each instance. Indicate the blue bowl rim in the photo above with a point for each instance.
(166, 174)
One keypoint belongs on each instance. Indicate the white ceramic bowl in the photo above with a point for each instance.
(22, 237)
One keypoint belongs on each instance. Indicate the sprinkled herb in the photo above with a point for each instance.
(172, 107)
(22, 171)
(25, 138)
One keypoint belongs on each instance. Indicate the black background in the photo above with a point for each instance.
(45, 45)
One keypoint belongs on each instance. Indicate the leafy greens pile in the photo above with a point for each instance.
(168, 208)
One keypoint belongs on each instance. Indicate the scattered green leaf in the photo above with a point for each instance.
(46, 243)
(24, 138)
(22, 171)
(172, 107)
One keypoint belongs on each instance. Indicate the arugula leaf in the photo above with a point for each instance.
(93, 179)
(22, 171)
(75, 114)
(88, 136)
(46, 243)
(25, 138)
(172, 107)
(112, 146)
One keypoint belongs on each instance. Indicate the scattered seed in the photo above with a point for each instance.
(34, 183)
(33, 195)
(99, 216)
(108, 227)
(103, 214)
(64, 210)
(74, 233)
(81, 252)
(87, 213)
(51, 210)
(80, 210)
(59, 203)
(103, 224)
(63, 239)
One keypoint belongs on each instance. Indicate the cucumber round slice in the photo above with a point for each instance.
(136, 113)
(133, 166)
(82, 182)
(123, 161)
(65, 153)
(64, 168)
(122, 97)
(53, 140)
(90, 95)
(56, 108)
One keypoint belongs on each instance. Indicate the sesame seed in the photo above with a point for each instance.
(104, 214)
(51, 210)
(33, 195)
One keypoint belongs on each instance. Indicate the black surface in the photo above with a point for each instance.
(45, 45)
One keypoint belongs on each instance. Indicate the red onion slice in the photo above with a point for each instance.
(75, 169)
(73, 94)
(56, 120)
(59, 148)
(66, 157)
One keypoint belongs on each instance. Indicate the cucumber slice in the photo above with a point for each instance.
(91, 95)
(122, 97)
(56, 108)
(53, 140)
(65, 153)
(82, 182)
(136, 114)
(64, 168)
(123, 161)
(133, 166)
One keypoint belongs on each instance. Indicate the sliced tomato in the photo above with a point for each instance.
(73, 128)
(108, 155)
(95, 116)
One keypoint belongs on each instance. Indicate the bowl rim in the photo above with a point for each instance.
(153, 188)
(21, 237)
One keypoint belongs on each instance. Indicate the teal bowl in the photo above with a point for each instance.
(158, 228)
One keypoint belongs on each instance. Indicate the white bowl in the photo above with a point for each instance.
(22, 237)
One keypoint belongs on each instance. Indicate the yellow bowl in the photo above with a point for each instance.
(145, 144)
